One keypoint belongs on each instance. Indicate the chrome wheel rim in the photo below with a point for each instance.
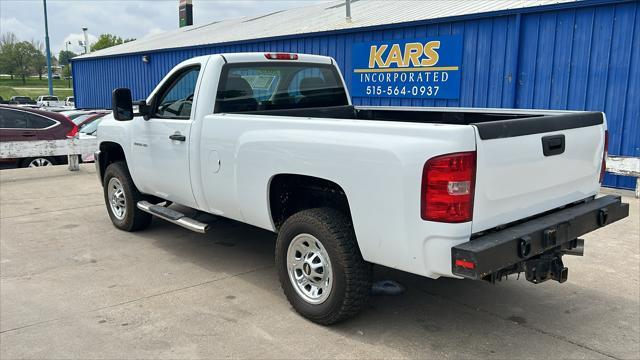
(309, 269)
(40, 162)
(117, 201)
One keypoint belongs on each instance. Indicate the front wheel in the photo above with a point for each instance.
(121, 197)
(321, 270)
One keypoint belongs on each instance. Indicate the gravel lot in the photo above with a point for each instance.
(72, 286)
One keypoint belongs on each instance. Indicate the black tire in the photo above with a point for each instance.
(351, 284)
(26, 161)
(134, 219)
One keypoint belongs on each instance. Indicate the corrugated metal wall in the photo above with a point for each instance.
(586, 58)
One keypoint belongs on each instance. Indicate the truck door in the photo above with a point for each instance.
(160, 145)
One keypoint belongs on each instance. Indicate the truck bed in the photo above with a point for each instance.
(529, 161)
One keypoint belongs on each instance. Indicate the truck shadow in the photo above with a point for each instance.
(512, 318)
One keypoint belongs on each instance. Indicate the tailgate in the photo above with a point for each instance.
(531, 165)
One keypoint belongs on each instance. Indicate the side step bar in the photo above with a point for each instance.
(173, 216)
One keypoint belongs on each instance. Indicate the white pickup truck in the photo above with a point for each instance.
(49, 101)
(272, 140)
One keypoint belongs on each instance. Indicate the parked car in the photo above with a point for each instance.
(22, 100)
(438, 192)
(89, 131)
(23, 124)
(69, 101)
(56, 77)
(49, 101)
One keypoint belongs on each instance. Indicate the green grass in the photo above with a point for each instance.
(6, 92)
(33, 82)
(33, 88)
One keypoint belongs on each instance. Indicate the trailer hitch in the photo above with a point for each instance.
(546, 267)
(543, 267)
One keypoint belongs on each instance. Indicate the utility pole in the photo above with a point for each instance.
(46, 42)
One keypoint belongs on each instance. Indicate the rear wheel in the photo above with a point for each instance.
(321, 270)
(38, 162)
(121, 197)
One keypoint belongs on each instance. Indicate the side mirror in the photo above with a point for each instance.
(143, 109)
(121, 104)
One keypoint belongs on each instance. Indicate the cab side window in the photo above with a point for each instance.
(175, 100)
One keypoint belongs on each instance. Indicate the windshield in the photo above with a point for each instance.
(49, 98)
(90, 128)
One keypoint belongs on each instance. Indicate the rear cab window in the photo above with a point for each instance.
(270, 86)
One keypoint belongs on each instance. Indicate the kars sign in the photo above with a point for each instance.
(420, 68)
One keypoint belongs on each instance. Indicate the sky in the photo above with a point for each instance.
(124, 18)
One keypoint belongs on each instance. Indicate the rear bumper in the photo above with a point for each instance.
(502, 249)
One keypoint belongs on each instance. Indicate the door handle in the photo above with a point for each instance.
(178, 137)
(28, 134)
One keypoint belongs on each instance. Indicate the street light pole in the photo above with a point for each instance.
(68, 62)
(46, 41)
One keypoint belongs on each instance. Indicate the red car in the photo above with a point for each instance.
(24, 124)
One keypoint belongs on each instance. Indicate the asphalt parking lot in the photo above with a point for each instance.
(72, 286)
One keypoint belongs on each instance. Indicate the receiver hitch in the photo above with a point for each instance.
(546, 267)
(543, 267)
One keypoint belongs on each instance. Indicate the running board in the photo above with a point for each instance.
(173, 216)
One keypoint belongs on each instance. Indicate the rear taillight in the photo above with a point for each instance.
(73, 132)
(603, 167)
(281, 56)
(448, 183)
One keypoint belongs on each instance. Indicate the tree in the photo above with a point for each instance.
(65, 56)
(7, 47)
(39, 60)
(108, 40)
(66, 72)
(23, 58)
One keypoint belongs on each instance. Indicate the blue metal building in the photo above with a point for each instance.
(574, 55)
